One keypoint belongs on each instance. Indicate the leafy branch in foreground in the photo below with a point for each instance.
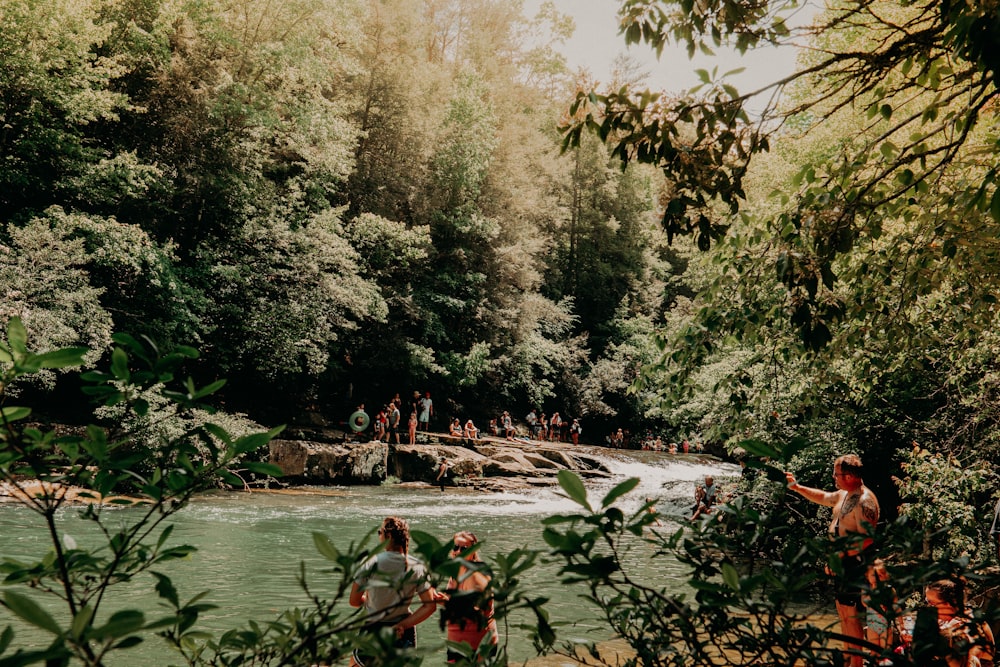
(751, 584)
(74, 594)
(46, 471)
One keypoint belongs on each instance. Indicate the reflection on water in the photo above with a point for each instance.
(250, 545)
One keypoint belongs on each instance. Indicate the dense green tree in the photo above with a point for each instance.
(46, 285)
(861, 274)
(323, 194)
(598, 258)
(53, 89)
(284, 297)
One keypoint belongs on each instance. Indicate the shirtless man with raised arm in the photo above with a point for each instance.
(855, 512)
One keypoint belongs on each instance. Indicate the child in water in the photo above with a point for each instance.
(878, 630)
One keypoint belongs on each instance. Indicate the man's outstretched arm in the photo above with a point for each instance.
(819, 496)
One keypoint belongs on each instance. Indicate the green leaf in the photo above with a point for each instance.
(252, 442)
(17, 336)
(573, 486)
(731, 576)
(128, 642)
(995, 205)
(68, 356)
(29, 611)
(121, 624)
(231, 478)
(619, 491)
(81, 621)
(260, 468)
(13, 413)
(219, 433)
(165, 588)
(796, 445)
(119, 364)
(164, 536)
(761, 449)
(325, 547)
(208, 389)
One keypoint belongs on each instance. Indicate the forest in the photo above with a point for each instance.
(337, 201)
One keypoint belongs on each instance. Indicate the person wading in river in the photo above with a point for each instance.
(468, 605)
(855, 514)
(386, 584)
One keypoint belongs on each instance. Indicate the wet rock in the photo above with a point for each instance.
(486, 464)
(412, 463)
(325, 463)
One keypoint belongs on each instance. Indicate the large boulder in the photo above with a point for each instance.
(419, 463)
(482, 467)
(325, 463)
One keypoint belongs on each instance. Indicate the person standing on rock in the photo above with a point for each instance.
(426, 412)
(444, 473)
(394, 419)
(555, 428)
(575, 430)
(412, 424)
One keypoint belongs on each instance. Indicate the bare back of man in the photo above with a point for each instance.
(855, 514)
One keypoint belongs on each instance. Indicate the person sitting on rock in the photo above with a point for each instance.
(704, 497)
(508, 426)
(470, 434)
(456, 428)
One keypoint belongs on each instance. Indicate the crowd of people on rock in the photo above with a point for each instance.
(552, 428)
(387, 423)
(623, 439)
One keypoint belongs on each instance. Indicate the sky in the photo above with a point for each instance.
(596, 43)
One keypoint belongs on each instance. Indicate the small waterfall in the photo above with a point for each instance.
(669, 478)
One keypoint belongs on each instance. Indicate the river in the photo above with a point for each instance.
(250, 544)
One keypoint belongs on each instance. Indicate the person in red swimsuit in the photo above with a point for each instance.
(468, 605)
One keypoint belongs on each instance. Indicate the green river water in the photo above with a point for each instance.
(250, 544)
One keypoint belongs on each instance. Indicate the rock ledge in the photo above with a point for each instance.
(490, 464)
